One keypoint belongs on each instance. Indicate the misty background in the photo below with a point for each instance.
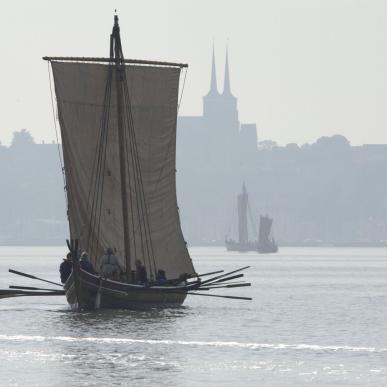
(299, 116)
(301, 69)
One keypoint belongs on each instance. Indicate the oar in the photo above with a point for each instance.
(211, 285)
(33, 277)
(35, 293)
(205, 274)
(18, 293)
(224, 275)
(225, 286)
(225, 279)
(218, 282)
(201, 275)
(222, 284)
(217, 295)
(32, 288)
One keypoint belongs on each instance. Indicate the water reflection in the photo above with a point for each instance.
(298, 325)
(128, 359)
(118, 320)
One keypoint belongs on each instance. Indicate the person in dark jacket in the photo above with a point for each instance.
(161, 277)
(86, 264)
(66, 268)
(141, 274)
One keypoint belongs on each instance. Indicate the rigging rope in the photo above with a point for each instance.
(56, 135)
(138, 210)
(98, 175)
(139, 229)
(182, 90)
(140, 199)
(142, 209)
(170, 141)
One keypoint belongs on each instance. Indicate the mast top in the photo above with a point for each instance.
(116, 26)
(116, 29)
(244, 188)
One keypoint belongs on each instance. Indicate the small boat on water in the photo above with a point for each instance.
(243, 244)
(265, 243)
(118, 127)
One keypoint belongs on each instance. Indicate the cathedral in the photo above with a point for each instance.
(218, 131)
(215, 153)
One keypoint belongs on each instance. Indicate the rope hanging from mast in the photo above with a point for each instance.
(136, 225)
(95, 195)
(57, 137)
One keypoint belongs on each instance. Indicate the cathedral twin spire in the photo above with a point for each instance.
(226, 85)
(214, 83)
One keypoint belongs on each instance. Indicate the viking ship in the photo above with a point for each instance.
(265, 243)
(117, 120)
(242, 244)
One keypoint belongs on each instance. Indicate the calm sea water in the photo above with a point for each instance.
(319, 317)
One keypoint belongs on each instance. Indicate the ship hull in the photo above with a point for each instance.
(251, 246)
(85, 291)
(241, 247)
(271, 249)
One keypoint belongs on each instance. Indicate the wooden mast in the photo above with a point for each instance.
(119, 66)
(242, 216)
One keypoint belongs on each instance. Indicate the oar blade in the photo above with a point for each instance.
(220, 296)
(7, 293)
(33, 277)
(225, 274)
(223, 286)
(206, 274)
(32, 288)
(225, 279)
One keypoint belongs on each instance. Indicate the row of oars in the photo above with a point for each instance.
(222, 281)
(218, 282)
(17, 291)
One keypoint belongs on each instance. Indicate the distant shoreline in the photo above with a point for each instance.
(322, 245)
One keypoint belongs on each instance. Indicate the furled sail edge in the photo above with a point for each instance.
(107, 60)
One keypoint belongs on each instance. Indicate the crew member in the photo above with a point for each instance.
(161, 277)
(86, 264)
(66, 268)
(110, 265)
(141, 274)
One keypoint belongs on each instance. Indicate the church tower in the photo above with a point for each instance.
(210, 100)
(220, 112)
(229, 102)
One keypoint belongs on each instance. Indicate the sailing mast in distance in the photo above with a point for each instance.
(243, 244)
(266, 243)
(242, 216)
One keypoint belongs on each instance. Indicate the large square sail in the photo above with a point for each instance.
(88, 110)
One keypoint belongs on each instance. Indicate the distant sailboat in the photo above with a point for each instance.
(243, 244)
(265, 243)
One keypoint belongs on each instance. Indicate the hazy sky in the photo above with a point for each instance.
(301, 69)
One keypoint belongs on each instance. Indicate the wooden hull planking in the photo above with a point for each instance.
(251, 246)
(93, 292)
